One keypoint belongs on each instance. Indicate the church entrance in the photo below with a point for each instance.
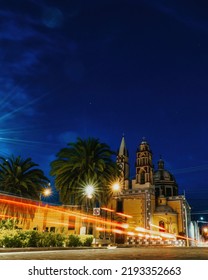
(162, 226)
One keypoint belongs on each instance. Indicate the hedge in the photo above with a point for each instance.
(29, 238)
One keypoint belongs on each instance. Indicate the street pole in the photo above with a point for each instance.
(186, 222)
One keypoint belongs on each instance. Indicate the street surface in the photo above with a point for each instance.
(140, 253)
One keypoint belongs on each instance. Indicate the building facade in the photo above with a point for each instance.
(28, 214)
(151, 201)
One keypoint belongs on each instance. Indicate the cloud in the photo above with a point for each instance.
(15, 28)
(18, 54)
(25, 38)
(52, 17)
(31, 44)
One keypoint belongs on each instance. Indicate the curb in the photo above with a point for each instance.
(31, 249)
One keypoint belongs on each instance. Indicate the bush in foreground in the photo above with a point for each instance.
(30, 238)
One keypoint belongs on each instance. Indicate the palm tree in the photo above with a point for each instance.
(19, 177)
(86, 162)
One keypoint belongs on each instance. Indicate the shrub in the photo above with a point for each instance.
(51, 239)
(86, 240)
(10, 239)
(79, 240)
(59, 240)
(21, 238)
(8, 224)
(73, 241)
(30, 238)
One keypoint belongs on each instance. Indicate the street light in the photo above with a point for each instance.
(205, 229)
(46, 192)
(116, 187)
(201, 228)
(89, 191)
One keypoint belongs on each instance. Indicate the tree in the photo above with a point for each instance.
(87, 162)
(19, 177)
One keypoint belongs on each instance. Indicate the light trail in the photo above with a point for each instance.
(124, 215)
(107, 209)
(157, 226)
(113, 226)
(56, 209)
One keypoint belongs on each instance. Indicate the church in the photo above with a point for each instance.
(150, 202)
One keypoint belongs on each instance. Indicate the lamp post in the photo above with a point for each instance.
(44, 193)
(88, 192)
(116, 188)
(186, 225)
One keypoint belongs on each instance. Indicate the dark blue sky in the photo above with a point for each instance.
(103, 68)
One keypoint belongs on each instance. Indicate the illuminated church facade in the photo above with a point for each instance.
(151, 200)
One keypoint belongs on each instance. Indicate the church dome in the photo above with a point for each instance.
(162, 174)
(164, 181)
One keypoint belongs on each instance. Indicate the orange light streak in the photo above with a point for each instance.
(118, 231)
(124, 225)
(14, 217)
(100, 229)
(141, 229)
(38, 206)
(157, 226)
(107, 209)
(123, 215)
(130, 233)
(88, 218)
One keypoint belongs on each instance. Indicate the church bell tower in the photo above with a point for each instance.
(144, 166)
(123, 162)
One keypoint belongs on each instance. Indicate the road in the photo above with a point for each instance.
(140, 253)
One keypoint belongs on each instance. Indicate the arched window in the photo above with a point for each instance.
(162, 226)
(142, 177)
(168, 191)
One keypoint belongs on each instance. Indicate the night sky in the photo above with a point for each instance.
(103, 68)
